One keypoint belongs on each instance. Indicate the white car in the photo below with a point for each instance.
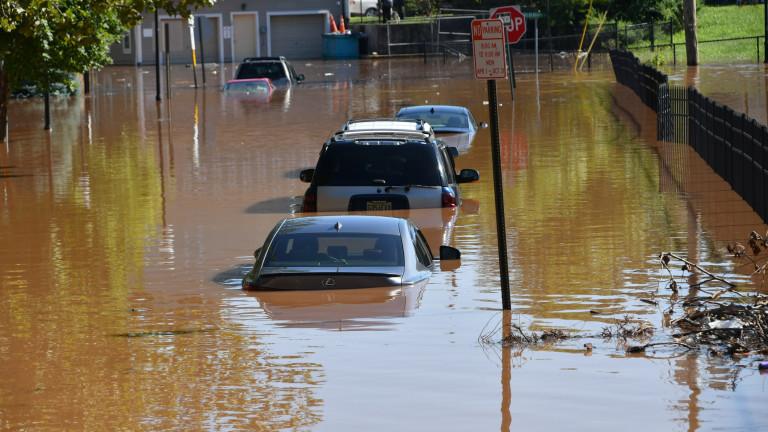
(380, 165)
(363, 7)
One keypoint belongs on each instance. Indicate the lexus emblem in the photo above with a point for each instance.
(328, 283)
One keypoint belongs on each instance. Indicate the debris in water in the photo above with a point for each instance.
(734, 323)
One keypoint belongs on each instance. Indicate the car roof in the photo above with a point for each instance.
(355, 224)
(385, 128)
(264, 59)
(455, 109)
(247, 80)
(387, 125)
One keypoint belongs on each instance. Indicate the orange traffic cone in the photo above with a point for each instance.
(333, 24)
(342, 28)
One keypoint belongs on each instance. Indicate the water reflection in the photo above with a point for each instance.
(121, 220)
(342, 310)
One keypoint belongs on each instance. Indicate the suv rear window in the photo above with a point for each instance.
(271, 70)
(367, 165)
(438, 120)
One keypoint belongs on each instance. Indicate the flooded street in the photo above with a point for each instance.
(125, 232)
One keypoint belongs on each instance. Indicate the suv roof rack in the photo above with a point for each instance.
(413, 128)
(420, 124)
(255, 59)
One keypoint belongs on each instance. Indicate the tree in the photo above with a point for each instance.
(45, 41)
(691, 39)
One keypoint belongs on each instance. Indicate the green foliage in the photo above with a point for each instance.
(419, 7)
(640, 11)
(567, 16)
(43, 41)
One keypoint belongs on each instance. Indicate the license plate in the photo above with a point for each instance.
(378, 205)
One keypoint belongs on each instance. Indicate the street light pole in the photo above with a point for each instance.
(157, 56)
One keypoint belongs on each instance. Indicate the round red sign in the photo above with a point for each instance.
(514, 21)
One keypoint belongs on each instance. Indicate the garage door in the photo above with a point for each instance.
(297, 36)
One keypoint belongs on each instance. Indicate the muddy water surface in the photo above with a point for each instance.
(124, 234)
(743, 87)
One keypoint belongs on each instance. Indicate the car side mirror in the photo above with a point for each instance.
(453, 151)
(300, 78)
(307, 175)
(468, 175)
(449, 253)
(256, 253)
(483, 125)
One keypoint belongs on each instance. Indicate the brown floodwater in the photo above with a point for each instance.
(743, 87)
(125, 231)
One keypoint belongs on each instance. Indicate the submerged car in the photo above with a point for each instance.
(277, 69)
(369, 8)
(442, 118)
(340, 252)
(379, 165)
(456, 122)
(257, 86)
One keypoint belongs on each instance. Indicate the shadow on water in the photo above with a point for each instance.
(280, 205)
(4, 172)
(293, 174)
(162, 333)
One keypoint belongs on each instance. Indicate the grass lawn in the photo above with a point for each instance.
(719, 22)
(375, 20)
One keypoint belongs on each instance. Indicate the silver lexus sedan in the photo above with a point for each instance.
(338, 252)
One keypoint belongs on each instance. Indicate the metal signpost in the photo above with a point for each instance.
(191, 25)
(490, 60)
(514, 26)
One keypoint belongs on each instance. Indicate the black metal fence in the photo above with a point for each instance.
(644, 80)
(734, 145)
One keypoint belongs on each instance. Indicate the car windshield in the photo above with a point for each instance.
(438, 120)
(247, 87)
(271, 70)
(335, 250)
(378, 165)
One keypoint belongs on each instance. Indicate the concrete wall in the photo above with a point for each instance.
(219, 27)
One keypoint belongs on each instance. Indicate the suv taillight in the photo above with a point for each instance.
(448, 197)
(310, 201)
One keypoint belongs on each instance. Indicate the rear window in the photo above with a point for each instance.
(271, 70)
(438, 120)
(368, 165)
(339, 250)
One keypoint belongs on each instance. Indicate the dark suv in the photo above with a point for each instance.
(277, 69)
(384, 165)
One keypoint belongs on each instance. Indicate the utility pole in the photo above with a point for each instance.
(691, 40)
(157, 56)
